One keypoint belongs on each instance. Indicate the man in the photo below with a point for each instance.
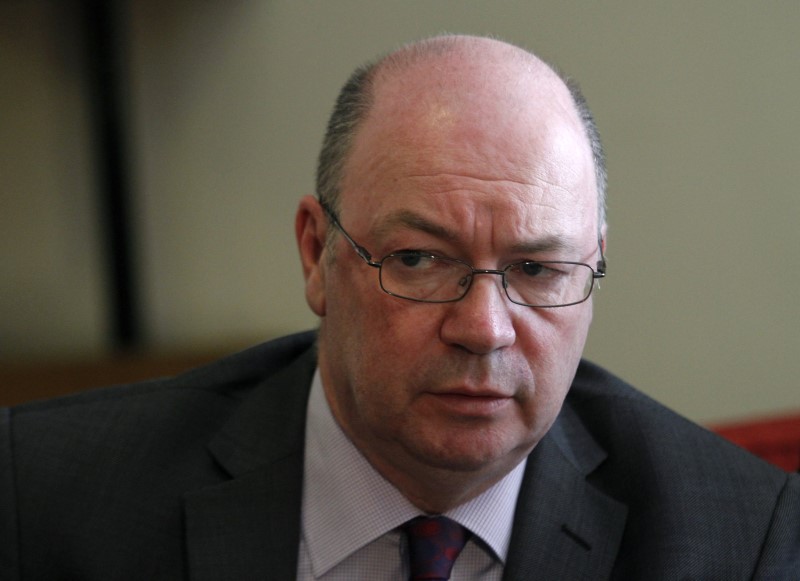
(450, 256)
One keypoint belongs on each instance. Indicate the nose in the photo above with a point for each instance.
(481, 322)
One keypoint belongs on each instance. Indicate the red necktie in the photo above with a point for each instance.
(433, 545)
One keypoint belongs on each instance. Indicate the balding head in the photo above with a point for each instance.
(481, 72)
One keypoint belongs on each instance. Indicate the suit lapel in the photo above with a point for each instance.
(248, 527)
(564, 527)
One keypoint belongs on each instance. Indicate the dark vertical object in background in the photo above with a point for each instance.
(104, 44)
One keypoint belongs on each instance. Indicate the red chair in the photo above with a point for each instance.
(775, 439)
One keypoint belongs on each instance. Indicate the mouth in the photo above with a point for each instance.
(469, 404)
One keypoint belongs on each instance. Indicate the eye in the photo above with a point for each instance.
(410, 259)
(537, 271)
(415, 259)
(531, 268)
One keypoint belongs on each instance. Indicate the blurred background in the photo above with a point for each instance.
(152, 154)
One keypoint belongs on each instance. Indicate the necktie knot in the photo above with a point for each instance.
(433, 545)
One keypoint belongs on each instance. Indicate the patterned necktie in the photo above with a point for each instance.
(433, 545)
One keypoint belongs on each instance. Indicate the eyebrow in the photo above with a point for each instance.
(414, 221)
(547, 244)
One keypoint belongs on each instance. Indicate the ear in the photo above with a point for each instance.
(311, 226)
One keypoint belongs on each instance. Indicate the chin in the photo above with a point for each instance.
(475, 457)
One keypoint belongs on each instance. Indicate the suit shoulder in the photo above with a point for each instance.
(177, 411)
(633, 424)
(716, 504)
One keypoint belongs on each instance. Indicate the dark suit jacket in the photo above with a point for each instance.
(199, 477)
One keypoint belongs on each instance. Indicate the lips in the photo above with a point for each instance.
(466, 391)
(471, 403)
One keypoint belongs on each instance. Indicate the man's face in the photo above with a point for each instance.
(469, 386)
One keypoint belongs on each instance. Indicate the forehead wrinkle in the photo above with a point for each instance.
(414, 221)
(516, 187)
(409, 219)
(476, 177)
(548, 243)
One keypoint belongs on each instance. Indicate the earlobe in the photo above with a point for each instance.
(603, 238)
(310, 229)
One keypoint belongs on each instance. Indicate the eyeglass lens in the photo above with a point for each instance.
(433, 279)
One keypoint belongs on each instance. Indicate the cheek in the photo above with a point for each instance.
(351, 298)
(389, 323)
(375, 337)
(397, 343)
(561, 335)
(552, 349)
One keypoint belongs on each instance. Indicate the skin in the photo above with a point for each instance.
(475, 154)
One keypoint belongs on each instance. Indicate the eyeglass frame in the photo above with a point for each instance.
(366, 256)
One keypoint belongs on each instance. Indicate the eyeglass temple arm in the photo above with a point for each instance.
(360, 250)
(601, 264)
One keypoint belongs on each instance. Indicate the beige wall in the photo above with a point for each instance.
(696, 101)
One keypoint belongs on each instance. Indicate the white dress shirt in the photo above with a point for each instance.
(351, 513)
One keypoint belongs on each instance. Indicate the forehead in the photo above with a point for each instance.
(503, 232)
(465, 141)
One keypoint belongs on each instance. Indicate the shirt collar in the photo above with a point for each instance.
(368, 506)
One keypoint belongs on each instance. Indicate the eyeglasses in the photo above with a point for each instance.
(427, 278)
